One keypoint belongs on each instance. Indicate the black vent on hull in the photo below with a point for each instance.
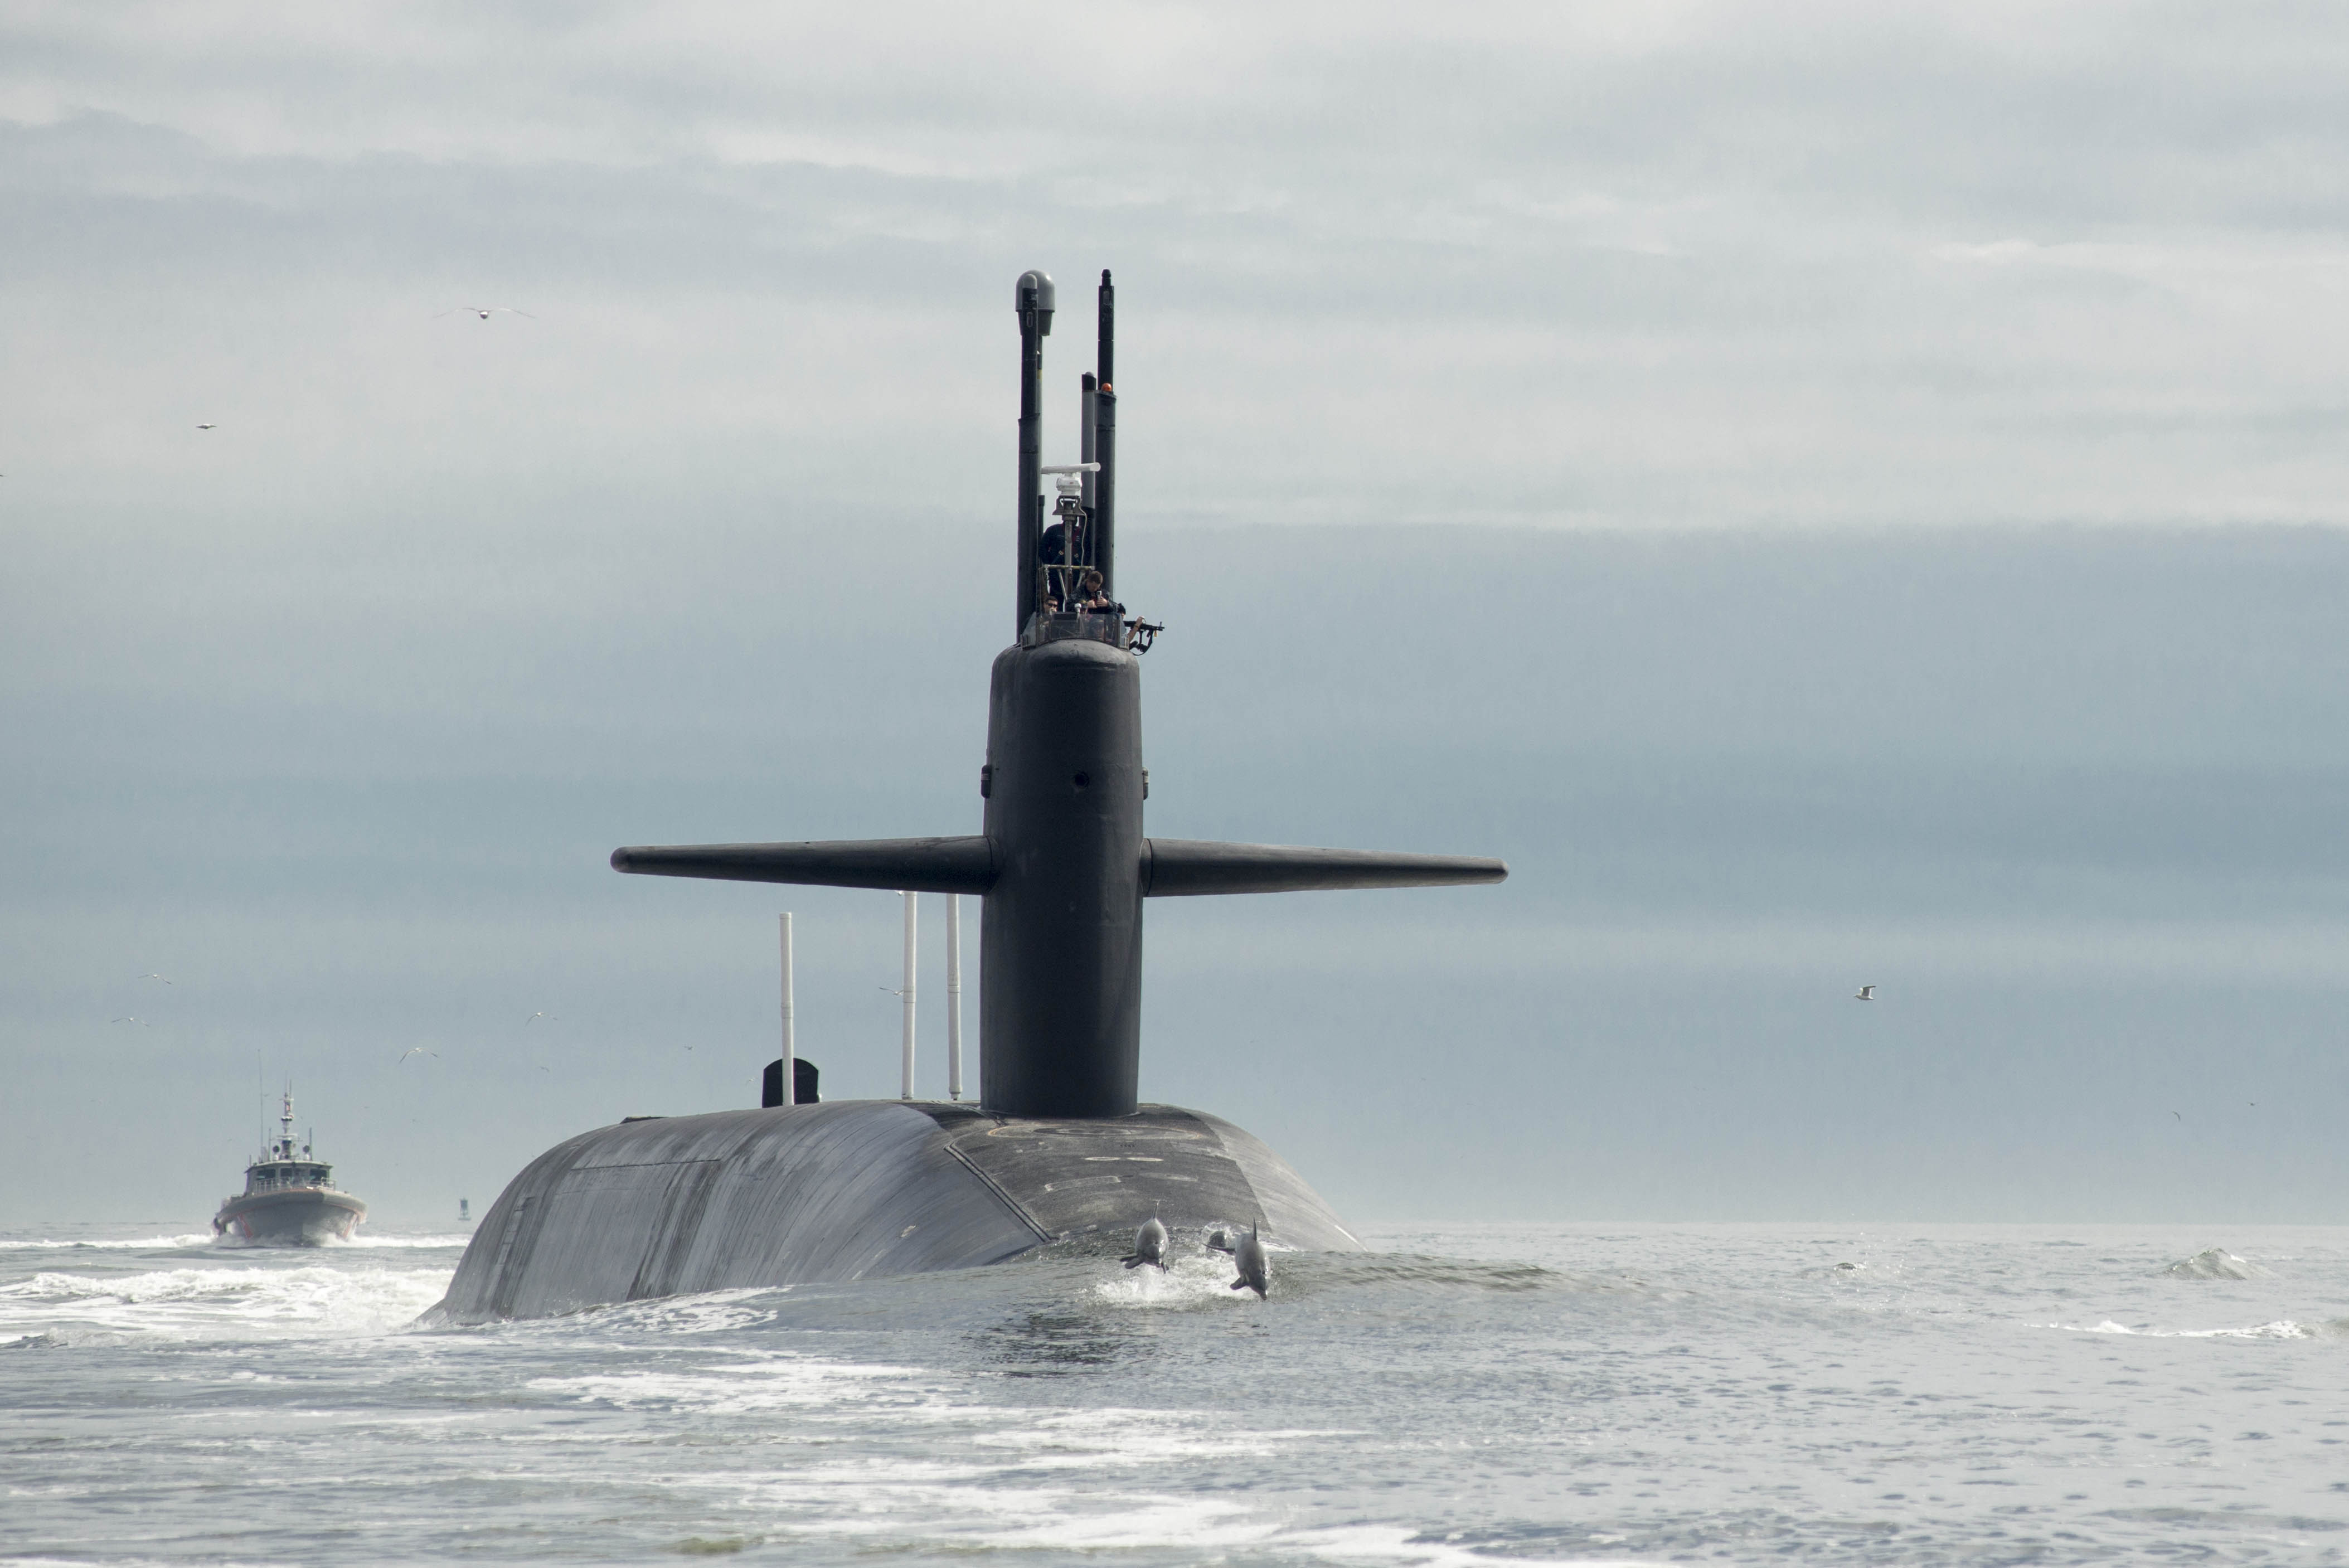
(803, 1081)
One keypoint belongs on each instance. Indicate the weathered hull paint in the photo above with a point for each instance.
(299, 1217)
(854, 1190)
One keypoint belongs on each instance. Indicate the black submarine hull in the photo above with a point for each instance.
(856, 1190)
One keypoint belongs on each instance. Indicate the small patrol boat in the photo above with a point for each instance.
(290, 1199)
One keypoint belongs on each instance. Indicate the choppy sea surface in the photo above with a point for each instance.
(1631, 1393)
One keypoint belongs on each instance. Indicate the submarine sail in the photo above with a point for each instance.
(1058, 1145)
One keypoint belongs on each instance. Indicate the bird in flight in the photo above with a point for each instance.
(141, 1022)
(165, 979)
(485, 311)
(1865, 993)
(414, 1050)
(535, 1017)
(208, 426)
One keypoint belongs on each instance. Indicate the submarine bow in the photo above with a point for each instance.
(1061, 868)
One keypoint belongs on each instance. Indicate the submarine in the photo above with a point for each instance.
(1058, 1146)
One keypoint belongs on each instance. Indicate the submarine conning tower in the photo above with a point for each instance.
(1062, 864)
(1057, 1151)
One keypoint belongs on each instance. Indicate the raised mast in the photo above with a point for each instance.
(1062, 867)
(1100, 442)
(1032, 299)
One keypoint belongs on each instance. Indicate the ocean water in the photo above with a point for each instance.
(1462, 1394)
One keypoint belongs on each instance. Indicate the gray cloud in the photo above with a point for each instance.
(1707, 268)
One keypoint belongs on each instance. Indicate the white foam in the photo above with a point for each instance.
(713, 1312)
(987, 1494)
(744, 1384)
(217, 1303)
(977, 1508)
(2214, 1263)
(143, 1244)
(185, 1240)
(1191, 1280)
(1114, 1436)
(1386, 1543)
(2281, 1329)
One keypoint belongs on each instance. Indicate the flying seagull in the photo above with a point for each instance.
(1865, 993)
(535, 1017)
(208, 426)
(413, 1050)
(485, 311)
(141, 1022)
(165, 979)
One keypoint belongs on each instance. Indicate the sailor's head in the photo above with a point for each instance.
(1092, 580)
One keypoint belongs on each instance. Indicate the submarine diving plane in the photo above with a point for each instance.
(1058, 1146)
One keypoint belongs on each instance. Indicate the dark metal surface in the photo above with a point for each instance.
(854, 1190)
(1105, 331)
(1101, 440)
(1061, 929)
(801, 1086)
(1187, 1169)
(1085, 393)
(738, 1198)
(921, 865)
(1032, 299)
(1183, 868)
(1062, 864)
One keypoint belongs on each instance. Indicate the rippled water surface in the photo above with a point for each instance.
(1464, 1393)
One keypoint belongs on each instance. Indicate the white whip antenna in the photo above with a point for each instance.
(790, 1040)
(954, 996)
(905, 1089)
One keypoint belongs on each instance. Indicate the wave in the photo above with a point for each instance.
(362, 1243)
(1189, 1280)
(1196, 1280)
(142, 1243)
(2214, 1263)
(2284, 1328)
(57, 1308)
(1425, 1270)
(187, 1240)
(1390, 1543)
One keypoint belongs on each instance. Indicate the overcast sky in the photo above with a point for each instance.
(1833, 496)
